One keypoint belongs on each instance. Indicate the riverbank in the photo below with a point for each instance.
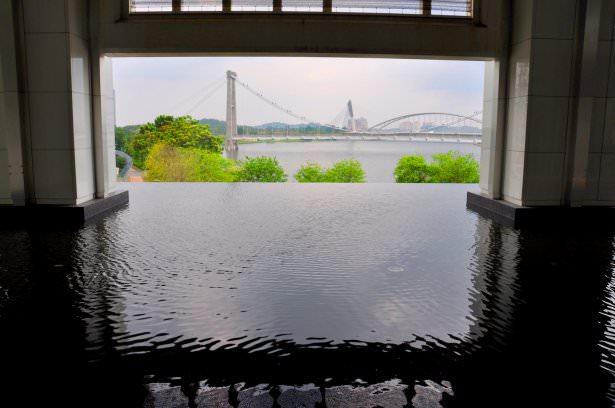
(378, 158)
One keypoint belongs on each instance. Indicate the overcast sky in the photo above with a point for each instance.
(314, 87)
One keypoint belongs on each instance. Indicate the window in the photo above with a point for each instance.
(445, 8)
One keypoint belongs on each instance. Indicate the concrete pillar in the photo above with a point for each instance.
(56, 102)
(547, 125)
(12, 181)
(539, 89)
(103, 104)
(59, 99)
(600, 189)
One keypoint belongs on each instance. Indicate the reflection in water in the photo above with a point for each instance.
(376, 295)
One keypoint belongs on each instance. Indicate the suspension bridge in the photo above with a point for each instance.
(414, 127)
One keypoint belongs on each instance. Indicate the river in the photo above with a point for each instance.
(378, 158)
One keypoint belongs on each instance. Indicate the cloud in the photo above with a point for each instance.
(315, 87)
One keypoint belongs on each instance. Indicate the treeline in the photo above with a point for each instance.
(125, 134)
(183, 149)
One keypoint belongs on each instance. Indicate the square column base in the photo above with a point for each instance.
(520, 216)
(77, 214)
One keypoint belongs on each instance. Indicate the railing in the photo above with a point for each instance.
(445, 8)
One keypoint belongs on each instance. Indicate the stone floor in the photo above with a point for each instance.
(385, 395)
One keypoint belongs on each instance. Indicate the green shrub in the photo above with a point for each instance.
(344, 171)
(412, 169)
(261, 169)
(450, 167)
(213, 167)
(169, 163)
(310, 173)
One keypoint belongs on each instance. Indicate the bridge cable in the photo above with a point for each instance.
(206, 97)
(207, 87)
(304, 119)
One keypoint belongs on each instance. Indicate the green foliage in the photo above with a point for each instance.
(261, 170)
(310, 173)
(120, 162)
(450, 167)
(123, 138)
(169, 163)
(183, 132)
(412, 169)
(344, 171)
(213, 167)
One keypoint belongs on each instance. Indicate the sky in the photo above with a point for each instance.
(317, 88)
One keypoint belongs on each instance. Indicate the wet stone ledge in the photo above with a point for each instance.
(391, 394)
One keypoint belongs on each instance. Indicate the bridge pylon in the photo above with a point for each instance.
(351, 121)
(230, 141)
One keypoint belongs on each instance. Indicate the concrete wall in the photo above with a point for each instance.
(301, 34)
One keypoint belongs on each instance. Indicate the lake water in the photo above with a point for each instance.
(378, 158)
(354, 295)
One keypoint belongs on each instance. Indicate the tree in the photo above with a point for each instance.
(344, 171)
(310, 172)
(123, 138)
(183, 131)
(450, 167)
(412, 169)
(169, 163)
(213, 167)
(261, 169)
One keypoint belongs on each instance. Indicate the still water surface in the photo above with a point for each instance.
(378, 158)
(292, 284)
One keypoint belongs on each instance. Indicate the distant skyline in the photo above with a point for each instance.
(315, 87)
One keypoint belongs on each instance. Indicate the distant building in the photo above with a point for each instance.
(361, 124)
(410, 126)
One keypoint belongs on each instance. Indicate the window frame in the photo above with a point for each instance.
(474, 18)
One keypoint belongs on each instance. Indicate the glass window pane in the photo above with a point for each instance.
(305, 6)
(201, 5)
(378, 7)
(150, 6)
(252, 5)
(451, 8)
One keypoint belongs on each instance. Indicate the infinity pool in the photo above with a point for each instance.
(197, 291)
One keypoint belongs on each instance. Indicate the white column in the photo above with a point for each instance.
(494, 119)
(104, 124)
(555, 151)
(59, 96)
